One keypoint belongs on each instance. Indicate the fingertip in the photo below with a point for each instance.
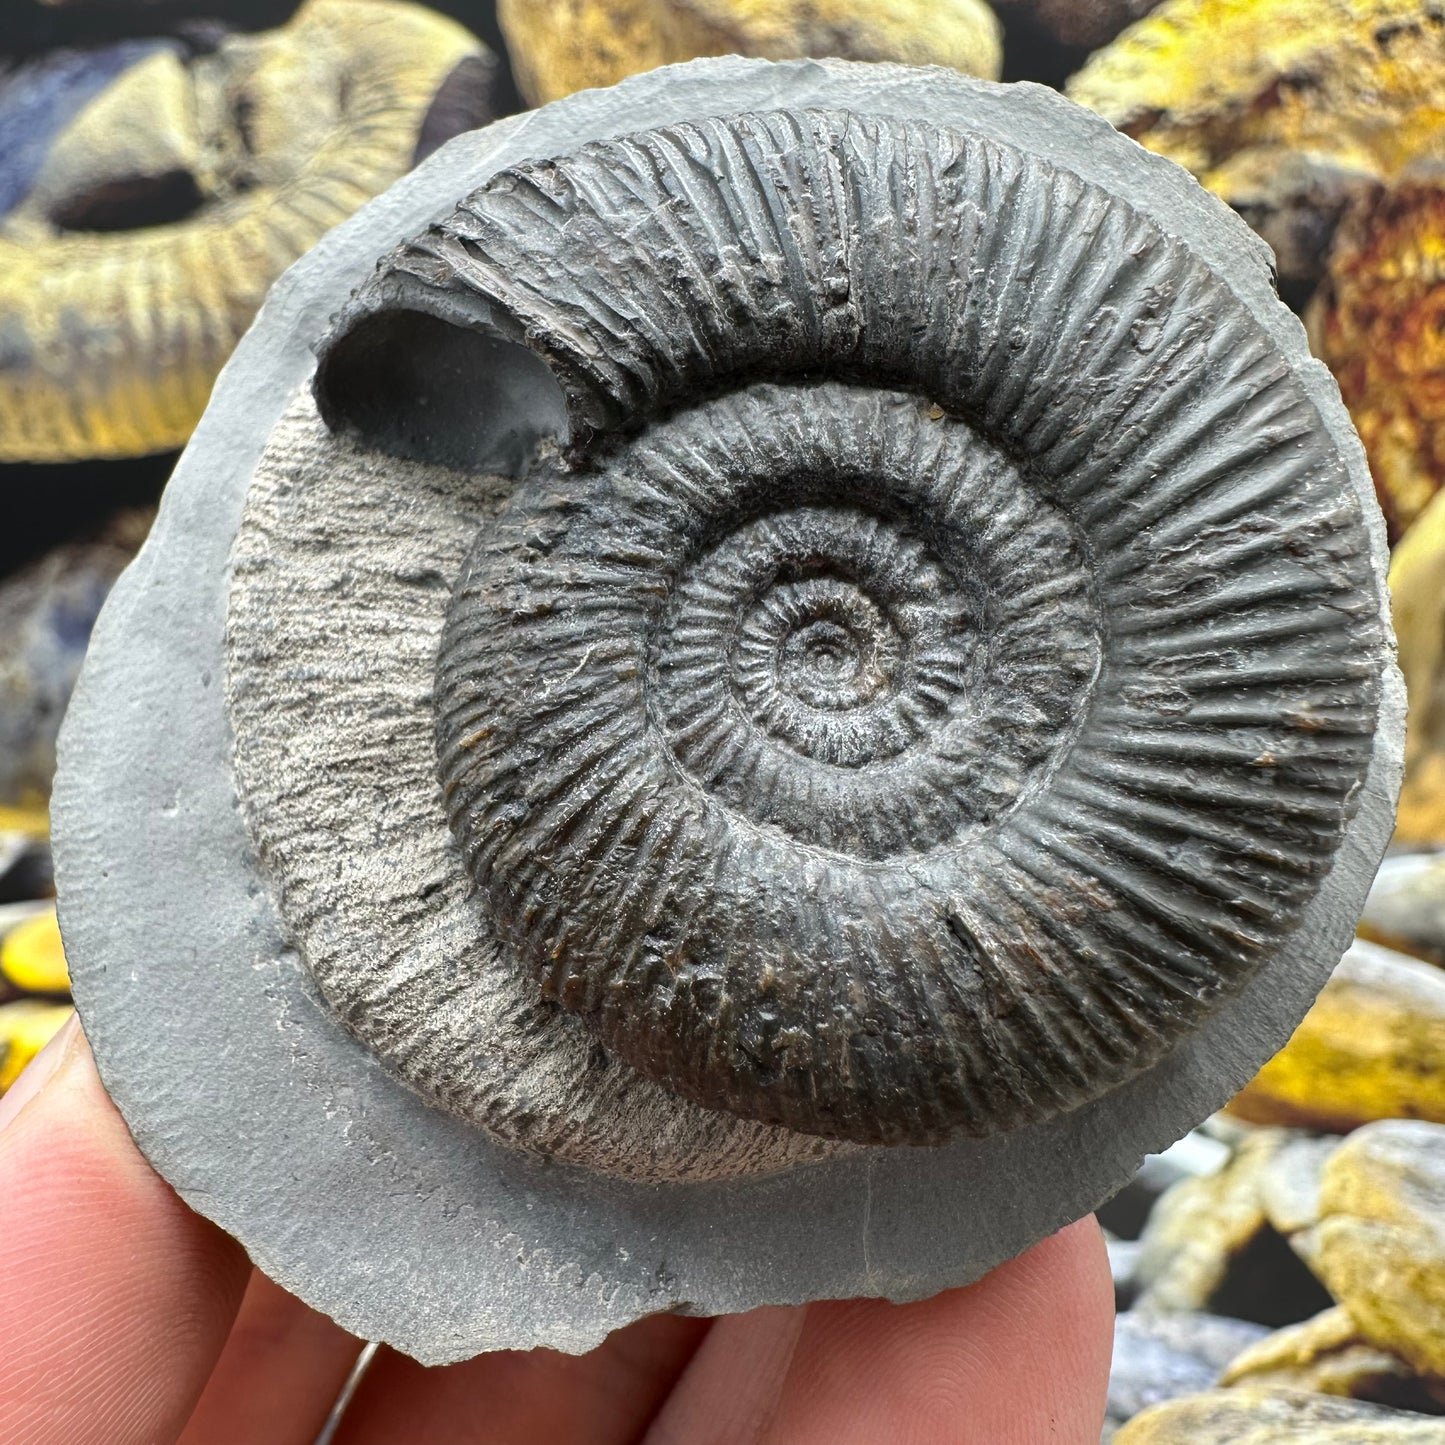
(1021, 1356)
(116, 1298)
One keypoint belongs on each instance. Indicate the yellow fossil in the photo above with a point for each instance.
(1417, 584)
(1372, 1047)
(1378, 322)
(26, 1026)
(558, 46)
(110, 338)
(33, 958)
(1327, 1355)
(1284, 108)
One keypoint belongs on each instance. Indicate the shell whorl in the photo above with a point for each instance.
(942, 658)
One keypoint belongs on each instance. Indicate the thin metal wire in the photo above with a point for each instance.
(348, 1391)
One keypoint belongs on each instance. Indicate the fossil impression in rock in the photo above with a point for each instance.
(151, 191)
(793, 677)
(914, 743)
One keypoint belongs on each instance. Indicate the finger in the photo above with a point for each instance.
(1020, 1357)
(279, 1375)
(533, 1397)
(115, 1299)
(731, 1389)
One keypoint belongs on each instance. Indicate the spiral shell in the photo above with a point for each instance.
(149, 197)
(940, 661)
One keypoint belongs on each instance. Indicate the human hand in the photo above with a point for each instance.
(125, 1319)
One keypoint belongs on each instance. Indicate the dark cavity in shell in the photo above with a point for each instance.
(921, 740)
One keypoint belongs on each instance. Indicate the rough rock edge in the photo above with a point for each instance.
(350, 1191)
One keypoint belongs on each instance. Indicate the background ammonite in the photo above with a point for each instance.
(151, 190)
(820, 607)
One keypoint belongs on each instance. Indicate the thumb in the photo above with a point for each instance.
(115, 1299)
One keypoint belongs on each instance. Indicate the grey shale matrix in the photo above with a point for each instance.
(803, 675)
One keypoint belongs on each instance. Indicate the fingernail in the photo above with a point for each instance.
(38, 1072)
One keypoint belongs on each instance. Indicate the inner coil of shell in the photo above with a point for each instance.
(940, 658)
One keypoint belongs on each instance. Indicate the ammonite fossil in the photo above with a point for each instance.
(151, 191)
(1287, 109)
(1417, 590)
(811, 653)
(1376, 322)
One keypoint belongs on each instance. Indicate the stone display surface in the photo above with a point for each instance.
(1381, 1245)
(1407, 905)
(46, 613)
(1329, 1355)
(1207, 1243)
(1159, 1357)
(1417, 585)
(362, 1197)
(1372, 1047)
(1277, 1417)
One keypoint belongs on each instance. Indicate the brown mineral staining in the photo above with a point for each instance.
(136, 255)
(1284, 108)
(558, 46)
(1372, 1047)
(1381, 1237)
(1379, 324)
(1328, 1356)
(1417, 585)
(1277, 1417)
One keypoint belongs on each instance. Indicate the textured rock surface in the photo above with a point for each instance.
(1210, 1243)
(354, 1193)
(1258, 1417)
(1159, 1357)
(1381, 1237)
(46, 614)
(1372, 1047)
(1378, 322)
(1287, 109)
(810, 672)
(1406, 906)
(1417, 583)
(568, 45)
(1327, 1355)
(319, 597)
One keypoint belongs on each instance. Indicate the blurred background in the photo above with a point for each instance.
(163, 161)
